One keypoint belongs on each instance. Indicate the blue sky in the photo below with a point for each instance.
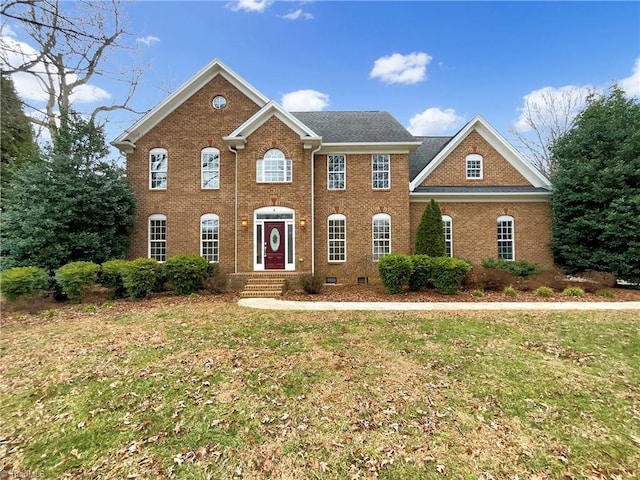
(433, 65)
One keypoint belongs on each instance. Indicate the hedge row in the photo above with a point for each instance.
(418, 272)
(124, 278)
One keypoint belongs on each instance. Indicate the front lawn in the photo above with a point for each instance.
(194, 389)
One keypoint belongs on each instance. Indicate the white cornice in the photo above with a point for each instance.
(369, 147)
(479, 197)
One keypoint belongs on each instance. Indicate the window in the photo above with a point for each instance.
(273, 168)
(336, 167)
(380, 172)
(158, 169)
(505, 238)
(337, 237)
(210, 164)
(158, 237)
(448, 243)
(381, 227)
(209, 236)
(474, 166)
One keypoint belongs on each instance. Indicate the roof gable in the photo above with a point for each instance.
(479, 125)
(126, 140)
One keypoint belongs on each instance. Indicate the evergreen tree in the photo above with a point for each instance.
(72, 206)
(430, 232)
(17, 144)
(596, 200)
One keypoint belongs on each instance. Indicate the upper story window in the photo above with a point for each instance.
(474, 166)
(448, 237)
(158, 159)
(381, 235)
(380, 168)
(209, 237)
(337, 237)
(336, 171)
(158, 237)
(505, 237)
(273, 168)
(210, 166)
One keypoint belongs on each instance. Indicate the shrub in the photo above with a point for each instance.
(603, 292)
(478, 292)
(311, 283)
(510, 292)
(521, 268)
(491, 279)
(448, 274)
(217, 280)
(187, 273)
(139, 277)
(395, 270)
(110, 276)
(421, 273)
(21, 282)
(544, 292)
(76, 278)
(573, 292)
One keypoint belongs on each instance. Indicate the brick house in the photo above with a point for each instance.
(220, 170)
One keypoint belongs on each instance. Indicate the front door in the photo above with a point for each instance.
(274, 258)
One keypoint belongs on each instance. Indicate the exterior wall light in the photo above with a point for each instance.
(244, 221)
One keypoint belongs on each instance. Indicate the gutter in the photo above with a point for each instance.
(235, 222)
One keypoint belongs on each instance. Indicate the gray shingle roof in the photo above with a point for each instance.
(351, 127)
(420, 158)
(481, 189)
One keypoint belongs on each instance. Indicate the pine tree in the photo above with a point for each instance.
(430, 232)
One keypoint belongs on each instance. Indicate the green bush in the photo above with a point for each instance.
(395, 270)
(544, 292)
(311, 283)
(422, 272)
(110, 276)
(140, 276)
(521, 268)
(573, 292)
(187, 273)
(76, 278)
(510, 292)
(448, 274)
(603, 292)
(23, 282)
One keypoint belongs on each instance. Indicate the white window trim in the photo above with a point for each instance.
(388, 187)
(155, 151)
(210, 216)
(156, 216)
(380, 216)
(203, 152)
(474, 157)
(508, 218)
(334, 217)
(447, 218)
(287, 164)
(344, 171)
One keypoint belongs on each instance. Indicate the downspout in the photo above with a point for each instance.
(313, 220)
(235, 229)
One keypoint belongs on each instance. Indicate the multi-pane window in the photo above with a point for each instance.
(474, 166)
(448, 238)
(158, 159)
(336, 167)
(158, 237)
(505, 238)
(337, 237)
(380, 172)
(210, 165)
(381, 233)
(209, 237)
(273, 168)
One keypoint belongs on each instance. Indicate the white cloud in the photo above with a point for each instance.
(435, 121)
(631, 85)
(249, 5)
(297, 14)
(404, 69)
(305, 101)
(148, 40)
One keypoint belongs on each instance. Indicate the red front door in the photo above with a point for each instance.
(274, 252)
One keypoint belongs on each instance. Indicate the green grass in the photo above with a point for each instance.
(195, 389)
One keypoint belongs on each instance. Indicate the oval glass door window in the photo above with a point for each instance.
(274, 239)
